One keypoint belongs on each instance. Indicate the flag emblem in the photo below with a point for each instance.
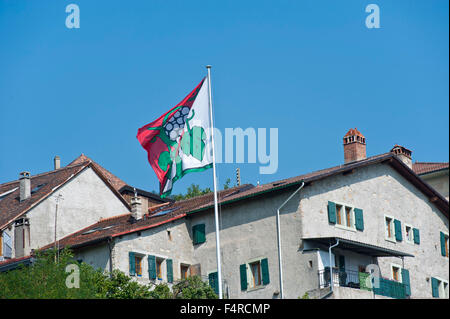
(179, 141)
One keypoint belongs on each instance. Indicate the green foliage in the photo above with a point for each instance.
(305, 296)
(193, 288)
(46, 278)
(193, 191)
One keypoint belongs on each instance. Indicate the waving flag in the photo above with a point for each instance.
(179, 141)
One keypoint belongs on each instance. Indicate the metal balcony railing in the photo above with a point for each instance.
(360, 280)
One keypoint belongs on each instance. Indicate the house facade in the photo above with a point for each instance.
(375, 215)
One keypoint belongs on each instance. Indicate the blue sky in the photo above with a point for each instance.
(310, 68)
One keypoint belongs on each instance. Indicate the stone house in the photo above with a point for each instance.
(372, 213)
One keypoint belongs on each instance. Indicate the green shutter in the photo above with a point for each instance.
(265, 271)
(406, 281)
(213, 281)
(359, 220)
(151, 267)
(332, 212)
(243, 272)
(416, 236)
(169, 265)
(398, 230)
(443, 244)
(132, 263)
(435, 287)
(198, 233)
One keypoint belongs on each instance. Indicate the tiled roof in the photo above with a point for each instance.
(116, 182)
(124, 224)
(10, 205)
(352, 132)
(427, 167)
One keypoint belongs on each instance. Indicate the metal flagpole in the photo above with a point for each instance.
(216, 211)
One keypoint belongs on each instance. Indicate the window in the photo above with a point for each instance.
(159, 262)
(255, 271)
(198, 234)
(396, 273)
(444, 244)
(345, 216)
(409, 234)
(138, 265)
(439, 288)
(254, 274)
(389, 224)
(339, 214)
(184, 271)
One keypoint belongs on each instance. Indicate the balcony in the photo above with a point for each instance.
(360, 280)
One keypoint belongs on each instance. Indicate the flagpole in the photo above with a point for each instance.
(216, 213)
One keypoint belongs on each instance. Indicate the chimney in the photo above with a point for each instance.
(136, 206)
(57, 162)
(24, 186)
(22, 237)
(403, 154)
(354, 146)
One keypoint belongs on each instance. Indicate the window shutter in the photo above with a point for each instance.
(359, 220)
(243, 271)
(442, 244)
(151, 267)
(265, 271)
(435, 287)
(331, 212)
(406, 282)
(398, 230)
(198, 232)
(169, 264)
(416, 236)
(213, 281)
(132, 264)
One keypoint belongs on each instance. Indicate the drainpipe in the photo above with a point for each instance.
(110, 244)
(331, 267)
(279, 238)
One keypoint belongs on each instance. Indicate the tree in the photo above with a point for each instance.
(47, 278)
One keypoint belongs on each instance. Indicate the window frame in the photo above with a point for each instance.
(250, 280)
(343, 217)
(391, 228)
(446, 243)
(400, 279)
(411, 228)
(182, 264)
(139, 257)
(442, 290)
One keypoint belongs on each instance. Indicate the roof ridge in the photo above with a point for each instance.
(111, 218)
(45, 173)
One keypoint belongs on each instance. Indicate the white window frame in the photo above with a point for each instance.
(400, 278)
(344, 217)
(391, 239)
(250, 286)
(412, 234)
(443, 292)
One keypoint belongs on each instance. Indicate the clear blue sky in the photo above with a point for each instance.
(310, 68)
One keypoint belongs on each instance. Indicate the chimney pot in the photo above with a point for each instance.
(24, 186)
(354, 146)
(57, 162)
(403, 154)
(136, 206)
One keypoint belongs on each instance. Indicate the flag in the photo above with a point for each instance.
(179, 141)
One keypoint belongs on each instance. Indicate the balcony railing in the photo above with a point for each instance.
(360, 280)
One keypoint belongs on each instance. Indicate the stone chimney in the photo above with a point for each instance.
(24, 186)
(57, 162)
(403, 154)
(22, 237)
(136, 207)
(354, 146)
